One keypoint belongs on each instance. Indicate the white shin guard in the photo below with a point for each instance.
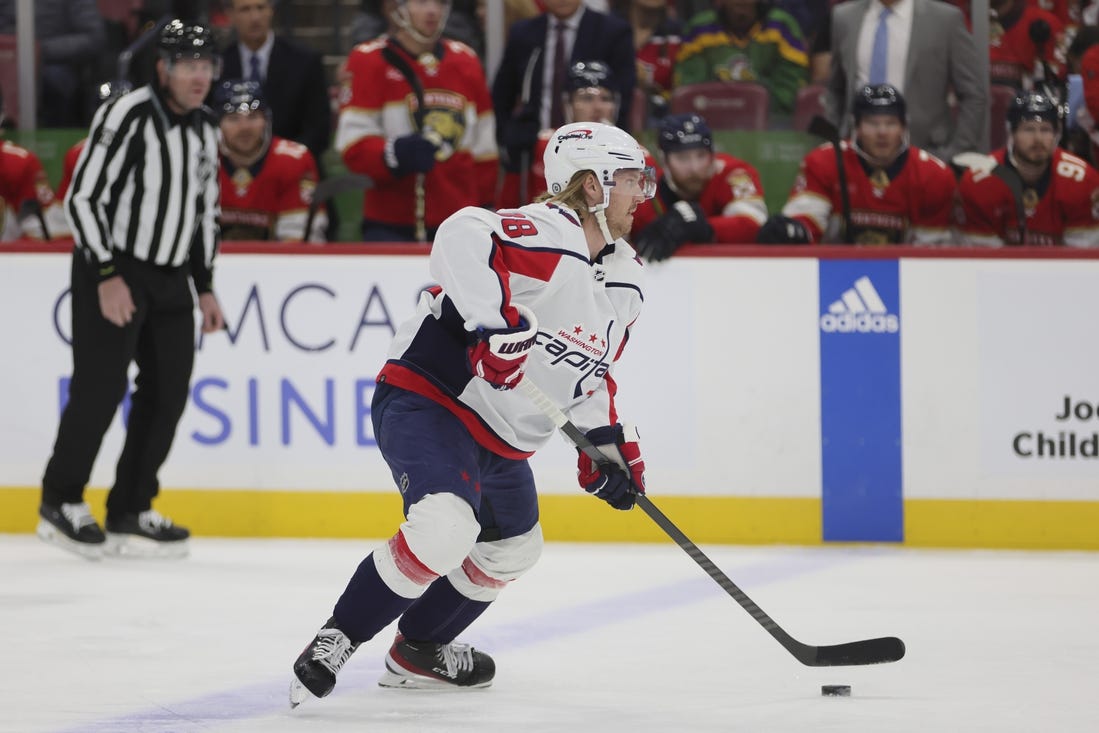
(436, 537)
(490, 566)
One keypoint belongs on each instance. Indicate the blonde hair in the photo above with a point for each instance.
(572, 197)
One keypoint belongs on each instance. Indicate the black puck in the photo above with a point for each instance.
(836, 690)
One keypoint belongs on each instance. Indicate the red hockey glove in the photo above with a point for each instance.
(499, 356)
(622, 477)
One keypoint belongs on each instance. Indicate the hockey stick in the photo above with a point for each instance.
(981, 163)
(866, 651)
(524, 99)
(398, 63)
(824, 129)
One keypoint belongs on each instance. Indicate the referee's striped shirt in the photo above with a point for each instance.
(146, 185)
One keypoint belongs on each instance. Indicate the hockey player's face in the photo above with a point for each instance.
(188, 82)
(1033, 141)
(426, 16)
(243, 134)
(880, 136)
(630, 188)
(690, 170)
(594, 104)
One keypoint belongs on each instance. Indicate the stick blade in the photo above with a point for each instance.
(855, 653)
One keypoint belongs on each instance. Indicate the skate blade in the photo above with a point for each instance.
(394, 681)
(132, 546)
(299, 693)
(53, 536)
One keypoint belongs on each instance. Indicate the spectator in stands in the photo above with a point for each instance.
(28, 207)
(895, 193)
(527, 93)
(922, 48)
(745, 40)
(1031, 192)
(416, 118)
(656, 39)
(70, 35)
(108, 92)
(292, 76)
(1025, 42)
(267, 182)
(590, 97)
(701, 196)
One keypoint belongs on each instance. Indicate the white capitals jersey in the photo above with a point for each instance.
(486, 262)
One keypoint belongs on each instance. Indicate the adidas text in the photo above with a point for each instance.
(859, 323)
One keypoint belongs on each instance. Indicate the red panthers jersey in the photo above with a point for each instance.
(1013, 57)
(270, 199)
(1063, 208)
(22, 179)
(376, 105)
(732, 200)
(908, 202)
(68, 166)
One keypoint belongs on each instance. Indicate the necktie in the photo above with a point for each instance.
(254, 74)
(560, 69)
(879, 56)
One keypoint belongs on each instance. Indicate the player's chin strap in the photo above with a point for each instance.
(600, 212)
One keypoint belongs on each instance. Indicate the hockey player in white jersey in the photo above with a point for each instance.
(548, 291)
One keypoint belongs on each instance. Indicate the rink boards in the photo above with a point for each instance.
(783, 395)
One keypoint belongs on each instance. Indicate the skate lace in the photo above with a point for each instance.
(333, 648)
(153, 520)
(457, 658)
(78, 515)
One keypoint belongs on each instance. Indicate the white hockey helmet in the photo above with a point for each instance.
(596, 147)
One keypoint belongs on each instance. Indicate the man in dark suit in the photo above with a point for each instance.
(292, 76)
(523, 93)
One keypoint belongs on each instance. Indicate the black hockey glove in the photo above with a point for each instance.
(410, 154)
(619, 480)
(779, 229)
(684, 222)
(521, 135)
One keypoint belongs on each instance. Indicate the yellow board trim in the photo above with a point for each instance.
(1023, 525)
(1052, 525)
(566, 518)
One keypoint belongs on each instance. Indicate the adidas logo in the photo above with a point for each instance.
(859, 310)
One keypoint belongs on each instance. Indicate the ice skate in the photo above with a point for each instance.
(148, 534)
(316, 668)
(429, 666)
(71, 527)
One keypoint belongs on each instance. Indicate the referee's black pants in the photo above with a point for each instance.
(161, 341)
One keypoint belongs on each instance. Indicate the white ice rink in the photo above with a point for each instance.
(596, 638)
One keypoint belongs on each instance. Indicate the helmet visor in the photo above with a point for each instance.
(635, 181)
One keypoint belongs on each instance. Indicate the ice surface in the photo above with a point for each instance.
(596, 638)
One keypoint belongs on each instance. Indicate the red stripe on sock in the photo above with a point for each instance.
(479, 577)
(407, 563)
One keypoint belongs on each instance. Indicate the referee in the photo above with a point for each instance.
(143, 206)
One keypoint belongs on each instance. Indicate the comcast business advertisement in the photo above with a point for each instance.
(1039, 359)
(281, 400)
